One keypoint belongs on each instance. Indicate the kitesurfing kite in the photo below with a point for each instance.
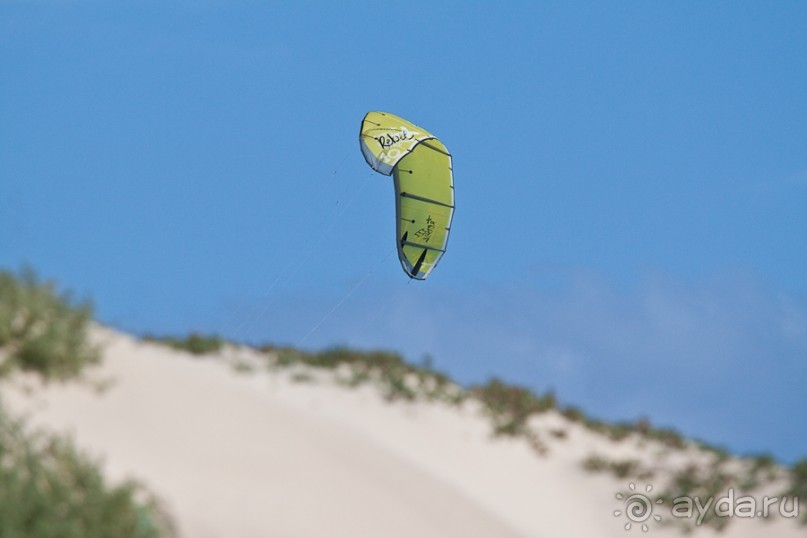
(424, 187)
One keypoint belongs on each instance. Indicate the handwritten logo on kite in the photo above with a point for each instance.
(426, 233)
(390, 139)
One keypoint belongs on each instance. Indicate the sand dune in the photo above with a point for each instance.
(257, 454)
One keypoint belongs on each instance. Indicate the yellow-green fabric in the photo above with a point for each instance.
(424, 187)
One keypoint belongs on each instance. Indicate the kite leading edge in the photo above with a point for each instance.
(424, 187)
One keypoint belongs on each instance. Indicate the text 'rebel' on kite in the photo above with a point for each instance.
(424, 187)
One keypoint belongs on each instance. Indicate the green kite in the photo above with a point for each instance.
(424, 187)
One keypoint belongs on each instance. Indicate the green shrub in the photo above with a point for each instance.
(399, 380)
(619, 468)
(574, 414)
(381, 361)
(624, 468)
(395, 385)
(619, 431)
(667, 436)
(763, 461)
(798, 485)
(720, 453)
(358, 376)
(49, 490)
(597, 425)
(41, 329)
(390, 368)
(798, 480)
(302, 377)
(559, 433)
(194, 343)
(596, 464)
(692, 482)
(760, 464)
(511, 405)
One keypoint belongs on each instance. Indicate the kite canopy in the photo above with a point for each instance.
(424, 187)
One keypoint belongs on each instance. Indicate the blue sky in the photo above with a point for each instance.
(631, 184)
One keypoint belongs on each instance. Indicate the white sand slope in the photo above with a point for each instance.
(259, 455)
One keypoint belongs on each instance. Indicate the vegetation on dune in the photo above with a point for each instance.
(711, 480)
(47, 488)
(511, 406)
(762, 468)
(619, 468)
(617, 431)
(42, 330)
(397, 378)
(798, 479)
(51, 490)
(194, 343)
(798, 483)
